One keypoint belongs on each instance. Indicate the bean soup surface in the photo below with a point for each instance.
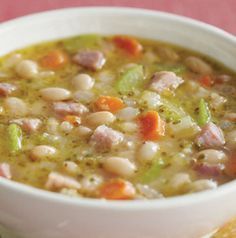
(116, 117)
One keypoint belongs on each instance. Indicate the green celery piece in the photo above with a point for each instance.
(130, 80)
(177, 69)
(170, 111)
(153, 172)
(89, 41)
(204, 115)
(14, 138)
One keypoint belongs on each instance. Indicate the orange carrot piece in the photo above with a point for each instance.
(74, 120)
(151, 125)
(108, 103)
(128, 44)
(55, 59)
(206, 81)
(117, 189)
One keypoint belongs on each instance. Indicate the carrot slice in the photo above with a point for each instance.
(74, 120)
(117, 189)
(55, 59)
(151, 125)
(206, 81)
(128, 44)
(108, 103)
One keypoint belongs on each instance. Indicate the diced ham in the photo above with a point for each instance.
(90, 59)
(105, 138)
(28, 124)
(6, 89)
(165, 80)
(208, 169)
(5, 171)
(58, 181)
(69, 108)
(211, 136)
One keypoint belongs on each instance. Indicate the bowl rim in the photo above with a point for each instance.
(170, 202)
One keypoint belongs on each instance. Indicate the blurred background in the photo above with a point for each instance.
(221, 13)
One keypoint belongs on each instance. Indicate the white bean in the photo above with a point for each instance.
(150, 57)
(83, 96)
(150, 99)
(71, 167)
(127, 114)
(100, 118)
(15, 106)
(70, 192)
(2, 110)
(52, 125)
(231, 139)
(203, 184)
(120, 166)
(217, 101)
(83, 131)
(147, 151)
(179, 180)
(46, 74)
(129, 127)
(211, 156)
(197, 65)
(90, 183)
(27, 69)
(66, 126)
(148, 192)
(129, 102)
(106, 76)
(55, 94)
(47, 165)
(39, 107)
(42, 152)
(83, 82)
(168, 53)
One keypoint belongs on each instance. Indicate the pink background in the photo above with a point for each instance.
(221, 13)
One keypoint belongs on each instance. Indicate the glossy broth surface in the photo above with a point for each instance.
(116, 117)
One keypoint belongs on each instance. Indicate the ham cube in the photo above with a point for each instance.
(211, 136)
(165, 80)
(90, 59)
(69, 108)
(105, 138)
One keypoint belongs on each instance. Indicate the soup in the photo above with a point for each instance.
(116, 117)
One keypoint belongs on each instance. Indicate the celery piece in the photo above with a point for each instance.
(185, 128)
(89, 41)
(153, 172)
(170, 111)
(130, 80)
(177, 69)
(14, 138)
(204, 115)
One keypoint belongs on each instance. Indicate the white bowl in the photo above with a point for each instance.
(32, 213)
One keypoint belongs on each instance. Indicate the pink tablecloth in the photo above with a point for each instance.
(221, 13)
